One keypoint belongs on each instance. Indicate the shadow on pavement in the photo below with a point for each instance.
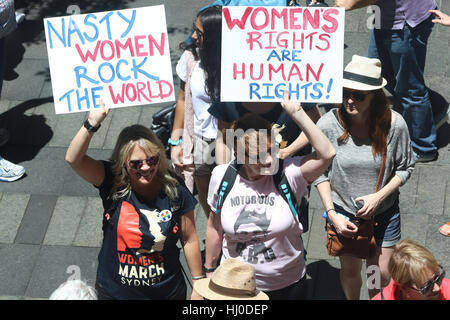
(28, 133)
(324, 283)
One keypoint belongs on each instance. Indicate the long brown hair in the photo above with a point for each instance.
(380, 117)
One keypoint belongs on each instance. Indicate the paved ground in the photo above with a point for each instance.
(50, 221)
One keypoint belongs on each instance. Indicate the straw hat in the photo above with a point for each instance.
(363, 74)
(232, 280)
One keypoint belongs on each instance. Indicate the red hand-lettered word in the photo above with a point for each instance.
(297, 18)
(140, 46)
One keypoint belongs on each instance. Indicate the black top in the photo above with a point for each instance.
(139, 258)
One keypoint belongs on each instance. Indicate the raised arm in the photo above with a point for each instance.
(314, 164)
(314, 114)
(89, 169)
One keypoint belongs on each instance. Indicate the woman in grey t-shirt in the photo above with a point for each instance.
(361, 129)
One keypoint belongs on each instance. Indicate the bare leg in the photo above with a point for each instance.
(381, 260)
(351, 276)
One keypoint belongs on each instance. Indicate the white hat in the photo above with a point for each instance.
(363, 74)
(232, 280)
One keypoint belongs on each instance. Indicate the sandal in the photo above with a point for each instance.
(445, 229)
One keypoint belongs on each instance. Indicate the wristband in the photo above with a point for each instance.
(330, 210)
(174, 143)
(89, 126)
(198, 277)
(208, 270)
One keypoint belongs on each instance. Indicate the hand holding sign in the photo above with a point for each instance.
(290, 106)
(267, 50)
(96, 116)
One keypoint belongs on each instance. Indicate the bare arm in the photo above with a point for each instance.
(372, 201)
(314, 164)
(191, 247)
(301, 141)
(343, 227)
(213, 241)
(89, 169)
(178, 125)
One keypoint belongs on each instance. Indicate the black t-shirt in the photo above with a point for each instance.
(139, 258)
(231, 111)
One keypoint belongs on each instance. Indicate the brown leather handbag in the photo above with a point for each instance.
(363, 244)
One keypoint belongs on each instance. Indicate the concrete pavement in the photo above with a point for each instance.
(50, 221)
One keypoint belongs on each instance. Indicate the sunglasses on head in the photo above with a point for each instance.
(137, 164)
(356, 95)
(430, 284)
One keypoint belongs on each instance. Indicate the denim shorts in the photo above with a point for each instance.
(387, 231)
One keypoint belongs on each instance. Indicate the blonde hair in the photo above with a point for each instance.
(128, 138)
(411, 263)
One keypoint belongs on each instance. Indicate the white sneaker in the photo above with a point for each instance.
(10, 171)
(20, 17)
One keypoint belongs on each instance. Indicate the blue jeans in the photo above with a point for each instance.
(402, 54)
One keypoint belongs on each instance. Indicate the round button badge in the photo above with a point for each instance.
(165, 215)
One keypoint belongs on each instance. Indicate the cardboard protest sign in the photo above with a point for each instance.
(121, 56)
(266, 50)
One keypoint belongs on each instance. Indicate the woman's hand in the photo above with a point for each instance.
(443, 18)
(343, 227)
(291, 107)
(284, 153)
(176, 155)
(97, 115)
(371, 203)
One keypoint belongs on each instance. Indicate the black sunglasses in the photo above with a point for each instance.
(356, 95)
(137, 164)
(430, 284)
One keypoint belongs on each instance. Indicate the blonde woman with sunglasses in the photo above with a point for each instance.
(146, 211)
(416, 275)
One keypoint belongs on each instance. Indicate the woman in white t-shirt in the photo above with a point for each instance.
(195, 129)
(255, 224)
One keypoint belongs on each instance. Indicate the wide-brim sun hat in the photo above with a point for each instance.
(363, 74)
(232, 280)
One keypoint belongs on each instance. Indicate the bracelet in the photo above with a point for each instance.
(174, 143)
(90, 127)
(198, 277)
(331, 209)
(208, 270)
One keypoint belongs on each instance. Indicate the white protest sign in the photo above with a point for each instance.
(266, 50)
(121, 56)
